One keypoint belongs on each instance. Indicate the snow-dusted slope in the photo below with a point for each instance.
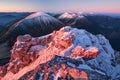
(7, 19)
(96, 24)
(68, 15)
(69, 53)
(35, 24)
(73, 19)
(38, 22)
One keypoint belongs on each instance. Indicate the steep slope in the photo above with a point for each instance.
(6, 20)
(69, 53)
(36, 24)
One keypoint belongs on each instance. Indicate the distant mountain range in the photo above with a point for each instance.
(39, 23)
(56, 46)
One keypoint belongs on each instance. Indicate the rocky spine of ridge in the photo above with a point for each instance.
(69, 53)
(36, 24)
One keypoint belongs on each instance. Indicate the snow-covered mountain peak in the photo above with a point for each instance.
(81, 17)
(68, 15)
(70, 51)
(36, 14)
(36, 24)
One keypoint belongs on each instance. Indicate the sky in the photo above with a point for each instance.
(102, 6)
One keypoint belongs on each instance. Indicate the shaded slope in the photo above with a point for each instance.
(35, 24)
(7, 19)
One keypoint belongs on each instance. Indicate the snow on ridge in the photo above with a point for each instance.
(68, 15)
(81, 17)
(36, 14)
(71, 15)
(70, 43)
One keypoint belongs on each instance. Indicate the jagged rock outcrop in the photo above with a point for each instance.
(69, 53)
(96, 24)
(36, 24)
(39, 24)
(63, 68)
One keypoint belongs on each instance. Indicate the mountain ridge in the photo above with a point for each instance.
(71, 49)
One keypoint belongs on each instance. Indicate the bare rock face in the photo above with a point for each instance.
(65, 54)
(63, 68)
(25, 51)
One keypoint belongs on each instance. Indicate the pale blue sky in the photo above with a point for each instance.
(112, 6)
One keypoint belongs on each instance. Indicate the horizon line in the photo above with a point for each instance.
(59, 12)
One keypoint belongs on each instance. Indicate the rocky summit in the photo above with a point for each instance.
(67, 54)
